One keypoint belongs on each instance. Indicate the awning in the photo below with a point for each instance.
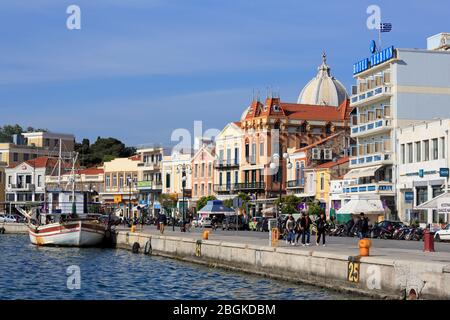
(216, 207)
(363, 205)
(362, 173)
(436, 203)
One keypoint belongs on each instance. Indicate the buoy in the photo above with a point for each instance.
(136, 247)
(364, 247)
(148, 248)
(206, 235)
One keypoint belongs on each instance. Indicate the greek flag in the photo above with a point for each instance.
(385, 27)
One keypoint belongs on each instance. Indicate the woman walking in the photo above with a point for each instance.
(321, 227)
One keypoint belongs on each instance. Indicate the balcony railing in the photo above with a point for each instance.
(378, 187)
(150, 165)
(229, 163)
(251, 159)
(21, 187)
(250, 186)
(371, 94)
(224, 187)
(149, 185)
(373, 159)
(296, 184)
(371, 127)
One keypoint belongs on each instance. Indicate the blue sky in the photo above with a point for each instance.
(140, 68)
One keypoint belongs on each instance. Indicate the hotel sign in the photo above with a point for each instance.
(374, 60)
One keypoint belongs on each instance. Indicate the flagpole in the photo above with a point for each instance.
(379, 39)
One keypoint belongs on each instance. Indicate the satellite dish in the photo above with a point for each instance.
(373, 46)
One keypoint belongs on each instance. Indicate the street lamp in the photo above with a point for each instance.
(183, 169)
(277, 164)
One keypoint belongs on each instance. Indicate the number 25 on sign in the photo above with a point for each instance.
(353, 271)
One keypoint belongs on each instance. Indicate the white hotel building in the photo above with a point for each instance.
(394, 88)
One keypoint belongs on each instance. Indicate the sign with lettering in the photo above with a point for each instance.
(444, 172)
(376, 59)
(409, 197)
(353, 271)
(444, 206)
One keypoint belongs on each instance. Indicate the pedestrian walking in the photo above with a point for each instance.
(305, 227)
(290, 229)
(363, 226)
(162, 222)
(321, 224)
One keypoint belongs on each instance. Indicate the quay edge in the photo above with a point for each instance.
(379, 277)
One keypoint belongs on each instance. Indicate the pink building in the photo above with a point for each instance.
(202, 173)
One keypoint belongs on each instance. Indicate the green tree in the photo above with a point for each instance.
(203, 200)
(103, 150)
(168, 201)
(228, 203)
(314, 209)
(288, 204)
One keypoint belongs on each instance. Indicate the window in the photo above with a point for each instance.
(202, 172)
(195, 190)
(209, 169)
(228, 156)
(437, 191)
(236, 176)
(196, 170)
(402, 151)
(15, 157)
(221, 156)
(236, 155)
(39, 181)
(209, 189)
(202, 190)
(435, 149)
(220, 178)
(410, 153)
(422, 195)
(26, 157)
(167, 180)
(107, 180)
(426, 150)
(114, 181)
(261, 149)
(322, 182)
(418, 152)
(443, 148)
(9, 179)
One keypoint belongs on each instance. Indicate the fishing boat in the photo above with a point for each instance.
(65, 226)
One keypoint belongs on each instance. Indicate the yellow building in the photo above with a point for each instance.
(121, 184)
(326, 172)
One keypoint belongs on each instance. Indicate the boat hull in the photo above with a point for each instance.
(71, 234)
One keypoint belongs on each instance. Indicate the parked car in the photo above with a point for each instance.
(205, 222)
(253, 224)
(443, 235)
(7, 218)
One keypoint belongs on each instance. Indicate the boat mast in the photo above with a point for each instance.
(59, 163)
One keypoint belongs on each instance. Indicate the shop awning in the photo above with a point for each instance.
(216, 207)
(440, 202)
(357, 206)
(362, 173)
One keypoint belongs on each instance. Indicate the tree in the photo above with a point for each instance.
(7, 132)
(168, 201)
(289, 204)
(203, 201)
(103, 150)
(228, 203)
(314, 209)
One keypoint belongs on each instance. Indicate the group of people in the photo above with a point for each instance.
(302, 229)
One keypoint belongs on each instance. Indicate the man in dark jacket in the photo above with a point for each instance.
(304, 228)
(321, 223)
(363, 226)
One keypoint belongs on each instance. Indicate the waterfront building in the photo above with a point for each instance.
(30, 146)
(338, 198)
(226, 166)
(325, 173)
(202, 165)
(26, 182)
(423, 152)
(394, 88)
(89, 181)
(301, 177)
(172, 176)
(120, 186)
(150, 178)
(272, 127)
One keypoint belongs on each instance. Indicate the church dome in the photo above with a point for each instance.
(323, 89)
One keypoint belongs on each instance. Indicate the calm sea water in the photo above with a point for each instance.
(30, 272)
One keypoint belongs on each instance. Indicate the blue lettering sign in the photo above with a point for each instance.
(409, 197)
(444, 172)
(375, 59)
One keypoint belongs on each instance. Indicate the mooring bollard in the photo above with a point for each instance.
(206, 235)
(364, 247)
(133, 228)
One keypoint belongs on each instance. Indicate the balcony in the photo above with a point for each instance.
(226, 164)
(374, 127)
(372, 159)
(381, 188)
(149, 185)
(372, 95)
(21, 187)
(150, 166)
(224, 187)
(295, 184)
(250, 186)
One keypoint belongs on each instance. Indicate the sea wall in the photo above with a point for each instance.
(17, 228)
(371, 276)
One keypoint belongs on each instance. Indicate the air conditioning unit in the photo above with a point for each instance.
(328, 154)
(316, 154)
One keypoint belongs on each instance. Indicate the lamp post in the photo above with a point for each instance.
(183, 169)
(276, 163)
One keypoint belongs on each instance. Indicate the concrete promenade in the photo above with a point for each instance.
(388, 273)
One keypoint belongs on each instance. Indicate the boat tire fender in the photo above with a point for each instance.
(136, 247)
(148, 247)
